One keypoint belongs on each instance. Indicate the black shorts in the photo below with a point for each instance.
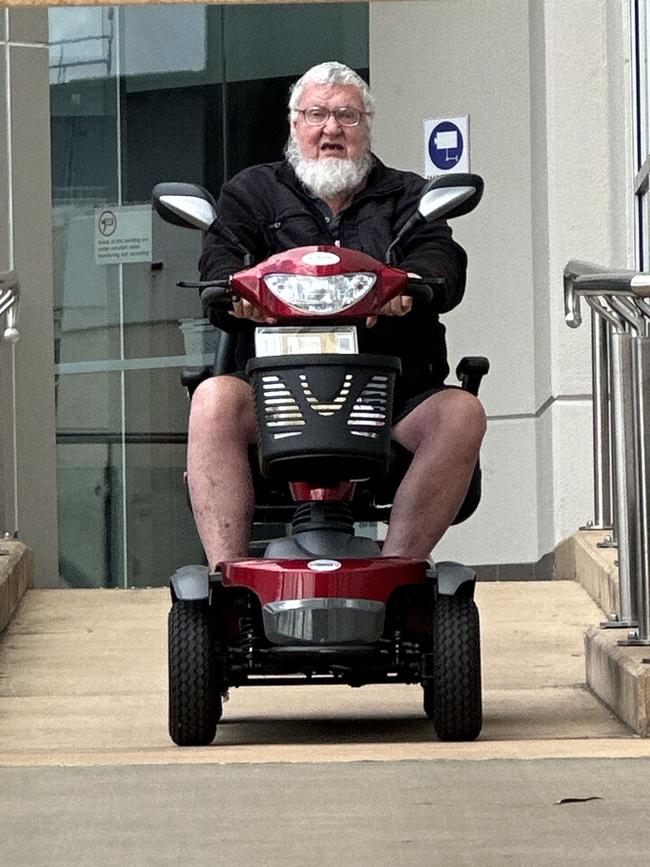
(403, 408)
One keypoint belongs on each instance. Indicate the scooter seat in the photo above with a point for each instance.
(372, 501)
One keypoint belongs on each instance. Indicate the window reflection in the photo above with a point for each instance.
(82, 43)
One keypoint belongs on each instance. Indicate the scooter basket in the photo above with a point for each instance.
(323, 418)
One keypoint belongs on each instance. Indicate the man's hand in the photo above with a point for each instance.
(399, 306)
(243, 309)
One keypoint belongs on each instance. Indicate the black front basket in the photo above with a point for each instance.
(323, 418)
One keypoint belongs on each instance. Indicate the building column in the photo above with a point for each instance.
(26, 247)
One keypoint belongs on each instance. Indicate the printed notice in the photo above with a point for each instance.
(305, 341)
(123, 235)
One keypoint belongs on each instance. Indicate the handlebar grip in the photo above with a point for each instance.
(421, 290)
(214, 296)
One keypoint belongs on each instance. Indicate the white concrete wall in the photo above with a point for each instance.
(544, 86)
(26, 246)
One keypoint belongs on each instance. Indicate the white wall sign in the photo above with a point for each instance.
(446, 145)
(123, 235)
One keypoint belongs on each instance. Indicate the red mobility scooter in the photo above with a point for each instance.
(320, 605)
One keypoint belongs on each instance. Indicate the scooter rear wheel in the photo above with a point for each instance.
(194, 699)
(454, 698)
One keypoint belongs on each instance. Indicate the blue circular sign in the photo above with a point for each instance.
(446, 145)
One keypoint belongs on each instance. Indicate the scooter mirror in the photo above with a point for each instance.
(450, 196)
(186, 205)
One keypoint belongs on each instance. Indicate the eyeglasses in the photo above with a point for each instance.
(344, 116)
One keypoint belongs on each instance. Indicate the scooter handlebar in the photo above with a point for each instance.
(422, 290)
(214, 293)
(217, 294)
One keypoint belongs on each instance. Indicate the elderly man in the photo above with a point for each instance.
(331, 188)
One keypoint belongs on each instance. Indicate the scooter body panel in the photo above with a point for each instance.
(278, 580)
(324, 602)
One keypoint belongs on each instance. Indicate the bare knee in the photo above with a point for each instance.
(452, 415)
(226, 405)
(465, 413)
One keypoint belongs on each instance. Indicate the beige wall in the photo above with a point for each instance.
(26, 246)
(544, 84)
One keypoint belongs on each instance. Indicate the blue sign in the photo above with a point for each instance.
(446, 145)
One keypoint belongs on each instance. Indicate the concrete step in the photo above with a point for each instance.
(16, 576)
(618, 675)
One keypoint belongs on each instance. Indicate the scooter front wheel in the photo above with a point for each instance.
(454, 699)
(194, 699)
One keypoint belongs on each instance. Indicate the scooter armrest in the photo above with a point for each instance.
(471, 370)
(192, 377)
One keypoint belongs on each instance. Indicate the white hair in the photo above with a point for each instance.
(327, 178)
(333, 72)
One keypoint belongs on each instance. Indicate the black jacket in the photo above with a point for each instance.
(269, 211)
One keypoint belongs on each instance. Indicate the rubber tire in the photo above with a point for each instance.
(194, 699)
(454, 699)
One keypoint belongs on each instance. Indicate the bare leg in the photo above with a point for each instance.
(444, 433)
(222, 426)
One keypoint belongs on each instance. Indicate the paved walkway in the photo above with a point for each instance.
(379, 814)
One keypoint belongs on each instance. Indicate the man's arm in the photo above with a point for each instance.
(221, 258)
(431, 252)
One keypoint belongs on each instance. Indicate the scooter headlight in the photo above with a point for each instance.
(320, 295)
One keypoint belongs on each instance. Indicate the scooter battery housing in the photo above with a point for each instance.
(322, 418)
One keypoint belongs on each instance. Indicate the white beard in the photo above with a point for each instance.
(330, 176)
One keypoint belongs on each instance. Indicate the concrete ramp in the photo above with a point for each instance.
(83, 682)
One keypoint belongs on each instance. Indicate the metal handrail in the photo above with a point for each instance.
(585, 278)
(9, 295)
(621, 389)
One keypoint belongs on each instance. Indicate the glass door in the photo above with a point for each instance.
(141, 95)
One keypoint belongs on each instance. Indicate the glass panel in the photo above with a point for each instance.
(133, 104)
(82, 43)
(259, 76)
(89, 458)
(172, 130)
(152, 49)
(170, 135)
(253, 35)
(84, 124)
(160, 529)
